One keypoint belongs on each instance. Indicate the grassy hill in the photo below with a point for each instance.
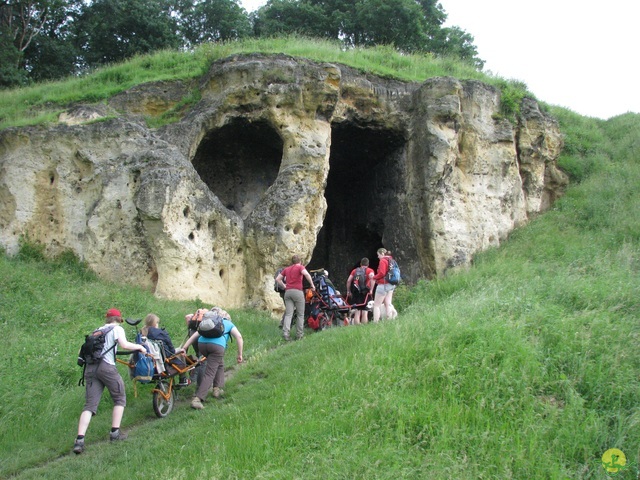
(525, 366)
(42, 103)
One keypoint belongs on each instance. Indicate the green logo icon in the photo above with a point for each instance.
(614, 461)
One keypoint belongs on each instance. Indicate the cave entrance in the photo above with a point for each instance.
(364, 178)
(239, 161)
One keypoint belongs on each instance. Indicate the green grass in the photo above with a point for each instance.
(42, 103)
(523, 366)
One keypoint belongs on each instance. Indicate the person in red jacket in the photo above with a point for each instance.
(384, 290)
(294, 296)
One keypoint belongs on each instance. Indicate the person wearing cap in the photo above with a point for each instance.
(103, 374)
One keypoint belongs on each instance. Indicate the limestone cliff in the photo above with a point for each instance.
(280, 156)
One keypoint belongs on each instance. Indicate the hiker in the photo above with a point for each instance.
(359, 295)
(103, 374)
(213, 349)
(294, 296)
(193, 320)
(384, 290)
(152, 331)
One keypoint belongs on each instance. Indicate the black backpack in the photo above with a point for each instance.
(360, 280)
(211, 326)
(91, 350)
(276, 285)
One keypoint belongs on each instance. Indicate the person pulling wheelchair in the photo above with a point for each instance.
(213, 349)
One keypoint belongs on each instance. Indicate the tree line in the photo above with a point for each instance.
(50, 39)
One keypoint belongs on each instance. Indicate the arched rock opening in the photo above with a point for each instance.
(239, 161)
(364, 179)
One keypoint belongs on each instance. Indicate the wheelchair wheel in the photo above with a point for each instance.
(323, 321)
(161, 405)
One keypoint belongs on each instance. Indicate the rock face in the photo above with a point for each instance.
(279, 156)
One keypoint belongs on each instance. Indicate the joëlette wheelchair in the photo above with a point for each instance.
(165, 371)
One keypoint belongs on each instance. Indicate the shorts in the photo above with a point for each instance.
(359, 300)
(97, 376)
(384, 288)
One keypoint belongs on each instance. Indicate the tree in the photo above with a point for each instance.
(52, 53)
(289, 16)
(215, 20)
(457, 43)
(113, 30)
(433, 13)
(10, 72)
(20, 22)
(389, 22)
(408, 25)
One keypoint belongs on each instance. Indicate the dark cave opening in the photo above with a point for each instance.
(239, 162)
(364, 177)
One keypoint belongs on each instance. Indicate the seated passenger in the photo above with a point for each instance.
(152, 331)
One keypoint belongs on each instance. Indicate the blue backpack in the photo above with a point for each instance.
(393, 274)
(142, 364)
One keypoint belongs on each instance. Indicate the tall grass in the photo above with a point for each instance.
(42, 103)
(46, 308)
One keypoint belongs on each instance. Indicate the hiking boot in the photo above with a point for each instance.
(78, 447)
(117, 435)
(197, 403)
(217, 392)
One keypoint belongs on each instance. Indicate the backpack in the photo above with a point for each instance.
(393, 274)
(276, 286)
(142, 365)
(211, 326)
(91, 349)
(359, 284)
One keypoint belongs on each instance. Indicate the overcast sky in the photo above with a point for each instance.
(578, 54)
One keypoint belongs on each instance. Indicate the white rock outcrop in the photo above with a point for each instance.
(279, 156)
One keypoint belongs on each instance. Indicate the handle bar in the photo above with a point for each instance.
(130, 352)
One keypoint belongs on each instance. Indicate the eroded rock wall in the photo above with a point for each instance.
(280, 156)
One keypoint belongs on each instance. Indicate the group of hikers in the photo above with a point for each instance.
(100, 372)
(290, 281)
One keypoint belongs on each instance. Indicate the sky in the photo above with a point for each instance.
(583, 55)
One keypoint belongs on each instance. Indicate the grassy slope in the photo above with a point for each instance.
(525, 366)
(43, 102)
